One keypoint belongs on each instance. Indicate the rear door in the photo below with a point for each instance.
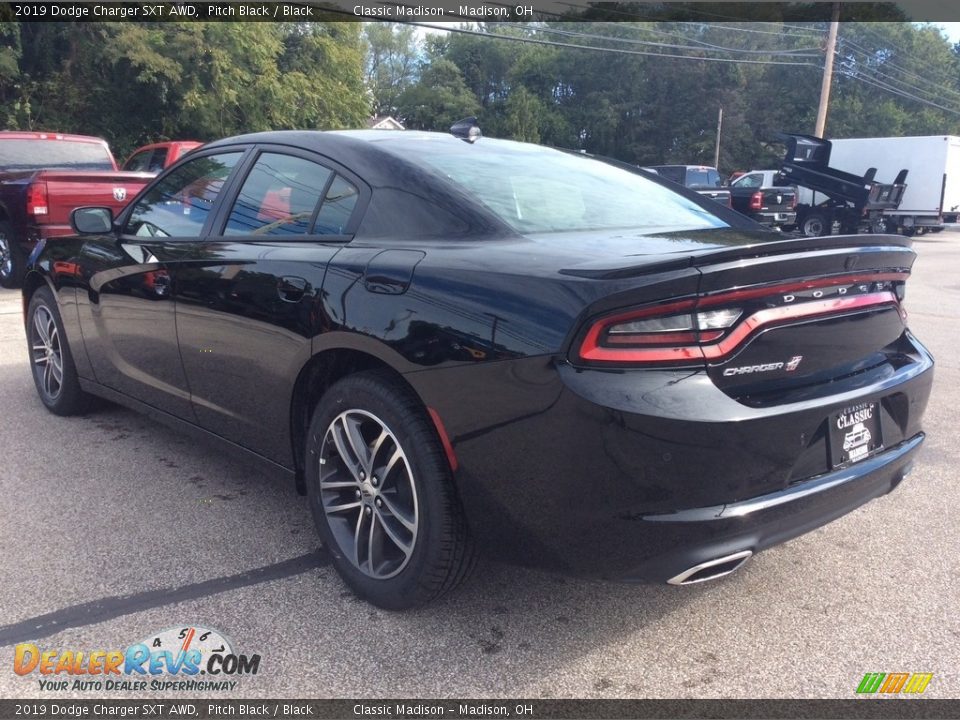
(128, 317)
(248, 300)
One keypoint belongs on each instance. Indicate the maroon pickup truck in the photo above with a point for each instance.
(43, 178)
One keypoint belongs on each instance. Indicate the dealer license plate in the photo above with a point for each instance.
(855, 433)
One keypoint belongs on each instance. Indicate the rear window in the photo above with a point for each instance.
(536, 189)
(703, 177)
(53, 155)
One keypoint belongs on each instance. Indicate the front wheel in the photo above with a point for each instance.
(54, 373)
(12, 261)
(382, 494)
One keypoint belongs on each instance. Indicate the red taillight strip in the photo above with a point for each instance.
(777, 315)
(591, 343)
(592, 350)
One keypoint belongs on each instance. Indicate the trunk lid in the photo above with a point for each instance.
(805, 312)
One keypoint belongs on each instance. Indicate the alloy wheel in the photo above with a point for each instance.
(6, 256)
(46, 351)
(369, 494)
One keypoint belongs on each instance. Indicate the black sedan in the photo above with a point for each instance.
(452, 343)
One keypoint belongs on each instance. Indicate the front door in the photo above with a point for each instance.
(128, 316)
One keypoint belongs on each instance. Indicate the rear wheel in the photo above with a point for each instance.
(12, 260)
(54, 373)
(382, 494)
(815, 224)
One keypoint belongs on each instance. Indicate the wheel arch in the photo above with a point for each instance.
(321, 371)
(32, 282)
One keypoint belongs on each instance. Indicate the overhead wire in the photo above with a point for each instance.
(622, 51)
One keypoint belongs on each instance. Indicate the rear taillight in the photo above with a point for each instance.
(756, 201)
(37, 199)
(716, 326)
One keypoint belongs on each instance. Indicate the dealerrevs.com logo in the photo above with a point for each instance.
(185, 658)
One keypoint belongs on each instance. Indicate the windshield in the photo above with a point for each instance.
(53, 155)
(536, 189)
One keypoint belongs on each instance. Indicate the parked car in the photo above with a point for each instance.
(454, 345)
(701, 178)
(158, 156)
(766, 197)
(43, 176)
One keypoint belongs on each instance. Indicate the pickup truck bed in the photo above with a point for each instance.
(43, 178)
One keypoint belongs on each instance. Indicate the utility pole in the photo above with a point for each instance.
(828, 71)
(716, 152)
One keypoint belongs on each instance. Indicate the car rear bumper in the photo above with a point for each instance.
(704, 534)
(775, 218)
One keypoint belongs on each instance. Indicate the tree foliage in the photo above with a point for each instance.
(649, 110)
(137, 82)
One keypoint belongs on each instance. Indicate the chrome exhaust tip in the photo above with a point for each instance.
(711, 569)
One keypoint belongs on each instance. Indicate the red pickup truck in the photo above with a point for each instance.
(158, 156)
(45, 176)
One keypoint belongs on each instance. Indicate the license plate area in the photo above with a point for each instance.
(855, 433)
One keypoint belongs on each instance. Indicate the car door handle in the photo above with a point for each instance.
(291, 289)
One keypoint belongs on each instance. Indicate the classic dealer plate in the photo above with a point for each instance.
(855, 433)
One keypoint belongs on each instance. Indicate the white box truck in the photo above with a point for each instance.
(932, 196)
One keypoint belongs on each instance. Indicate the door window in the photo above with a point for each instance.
(337, 208)
(178, 205)
(278, 197)
(139, 162)
(750, 181)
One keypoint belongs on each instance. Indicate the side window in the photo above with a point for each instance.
(139, 162)
(750, 181)
(278, 197)
(159, 160)
(179, 204)
(336, 209)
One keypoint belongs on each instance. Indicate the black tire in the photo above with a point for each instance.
(816, 224)
(47, 344)
(12, 260)
(415, 566)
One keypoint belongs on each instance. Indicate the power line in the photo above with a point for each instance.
(893, 66)
(798, 52)
(621, 51)
(867, 67)
(895, 91)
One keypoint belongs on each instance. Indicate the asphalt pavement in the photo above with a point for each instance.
(114, 528)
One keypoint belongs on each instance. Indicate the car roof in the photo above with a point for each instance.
(22, 135)
(377, 156)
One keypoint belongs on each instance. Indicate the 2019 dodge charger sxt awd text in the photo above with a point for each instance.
(453, 345)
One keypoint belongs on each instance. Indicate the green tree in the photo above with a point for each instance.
(391, 64)
(438, 100)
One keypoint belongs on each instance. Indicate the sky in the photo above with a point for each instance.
(952, 29)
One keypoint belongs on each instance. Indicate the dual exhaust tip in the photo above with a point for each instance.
(711, 569)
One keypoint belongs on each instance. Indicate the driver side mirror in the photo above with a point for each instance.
(91, 220)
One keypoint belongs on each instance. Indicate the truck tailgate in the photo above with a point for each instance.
(68, 190)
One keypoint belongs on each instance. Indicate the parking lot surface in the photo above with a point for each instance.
(114, 528)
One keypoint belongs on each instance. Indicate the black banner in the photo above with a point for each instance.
(474, 11)
(480, 709)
